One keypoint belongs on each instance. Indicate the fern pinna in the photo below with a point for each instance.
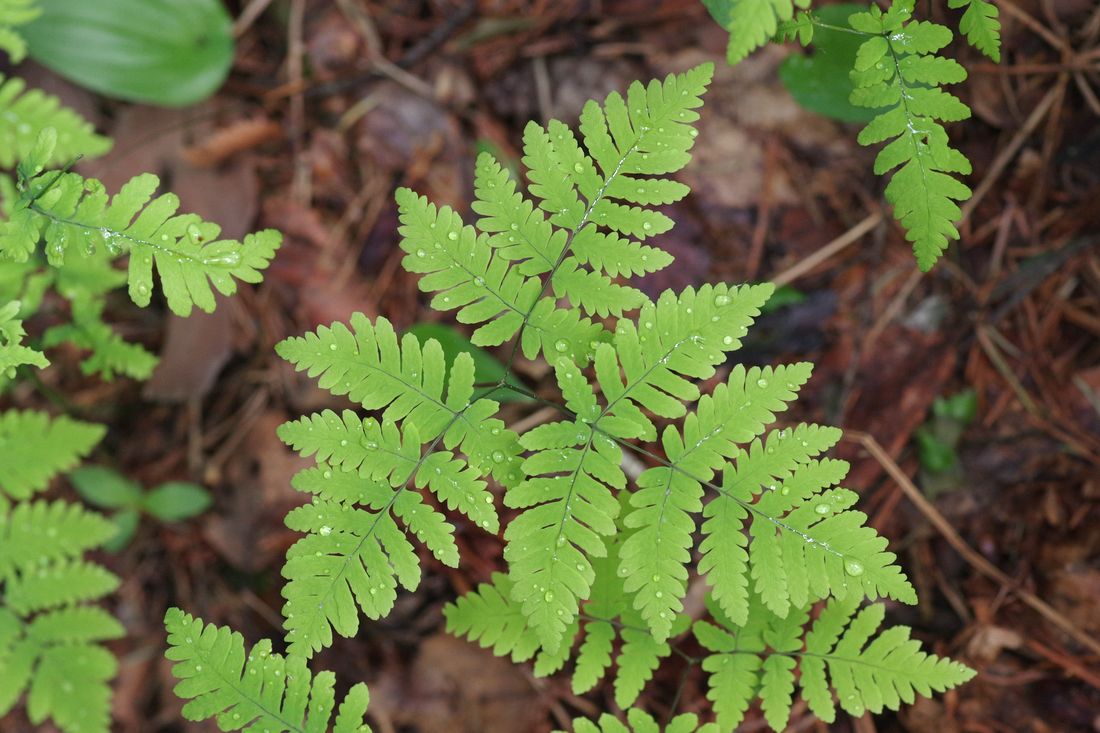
(599, 562)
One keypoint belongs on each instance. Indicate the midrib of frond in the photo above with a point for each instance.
(911, 132)
(567, 513)
(234, 684)
(828, 658)
(456, 415)
(115, 234)
(750, 507)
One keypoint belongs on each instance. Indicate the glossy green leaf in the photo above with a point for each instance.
(177, 500)
(105, 488)
(167, 52)
(126, 522)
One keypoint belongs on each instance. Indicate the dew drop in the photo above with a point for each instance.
(647, 226)
(727, 340)
(549, 596)
(761, 382)
(420, 253)
(578, 168)
(853, 568)
(822, 509)
(325, 530)
(561, 346)
(452, 236)
(721, 300)
(498, 456)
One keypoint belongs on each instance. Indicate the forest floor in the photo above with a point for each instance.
(330, 106)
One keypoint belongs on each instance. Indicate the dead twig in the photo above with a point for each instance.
(972, 557)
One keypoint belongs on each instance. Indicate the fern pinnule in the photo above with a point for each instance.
(13, 354)
(641, 722)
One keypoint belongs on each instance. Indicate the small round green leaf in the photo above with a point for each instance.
(177, 500)
(166, 52)
(104, 488)
(126, 523)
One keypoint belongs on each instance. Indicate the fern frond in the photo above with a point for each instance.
(981, 25)
(898, 71)
(24, 114)
(68, 210)
(355, 558)
(654, 559)
(39, 448)
(761, 659)
(641, 722)
(371, 366)
(14, 13)
(804, 541)
(13, 353)
(751, 23)
(256, 689)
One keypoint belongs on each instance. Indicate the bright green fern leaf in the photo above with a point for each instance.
(751, 23)
(254, 689)
(24, 114)
(13, 353)
(369, 364)
(49, 632)
(641, 722)
(491, 617)
(654, 561)
(804, 542)
(14, 13)
(37, 448)
(488, 289)
(70, 212)
(898, 72)
(760, 660)
(355, 558)
(111, 354)
(981, 25)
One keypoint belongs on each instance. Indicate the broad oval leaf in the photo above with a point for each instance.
(167, 52)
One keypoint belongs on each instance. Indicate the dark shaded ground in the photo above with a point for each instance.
(332, 105)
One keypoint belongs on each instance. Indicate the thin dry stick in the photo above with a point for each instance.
(248, 16)
(804, 266)
(975, 559)
(1009, 152)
